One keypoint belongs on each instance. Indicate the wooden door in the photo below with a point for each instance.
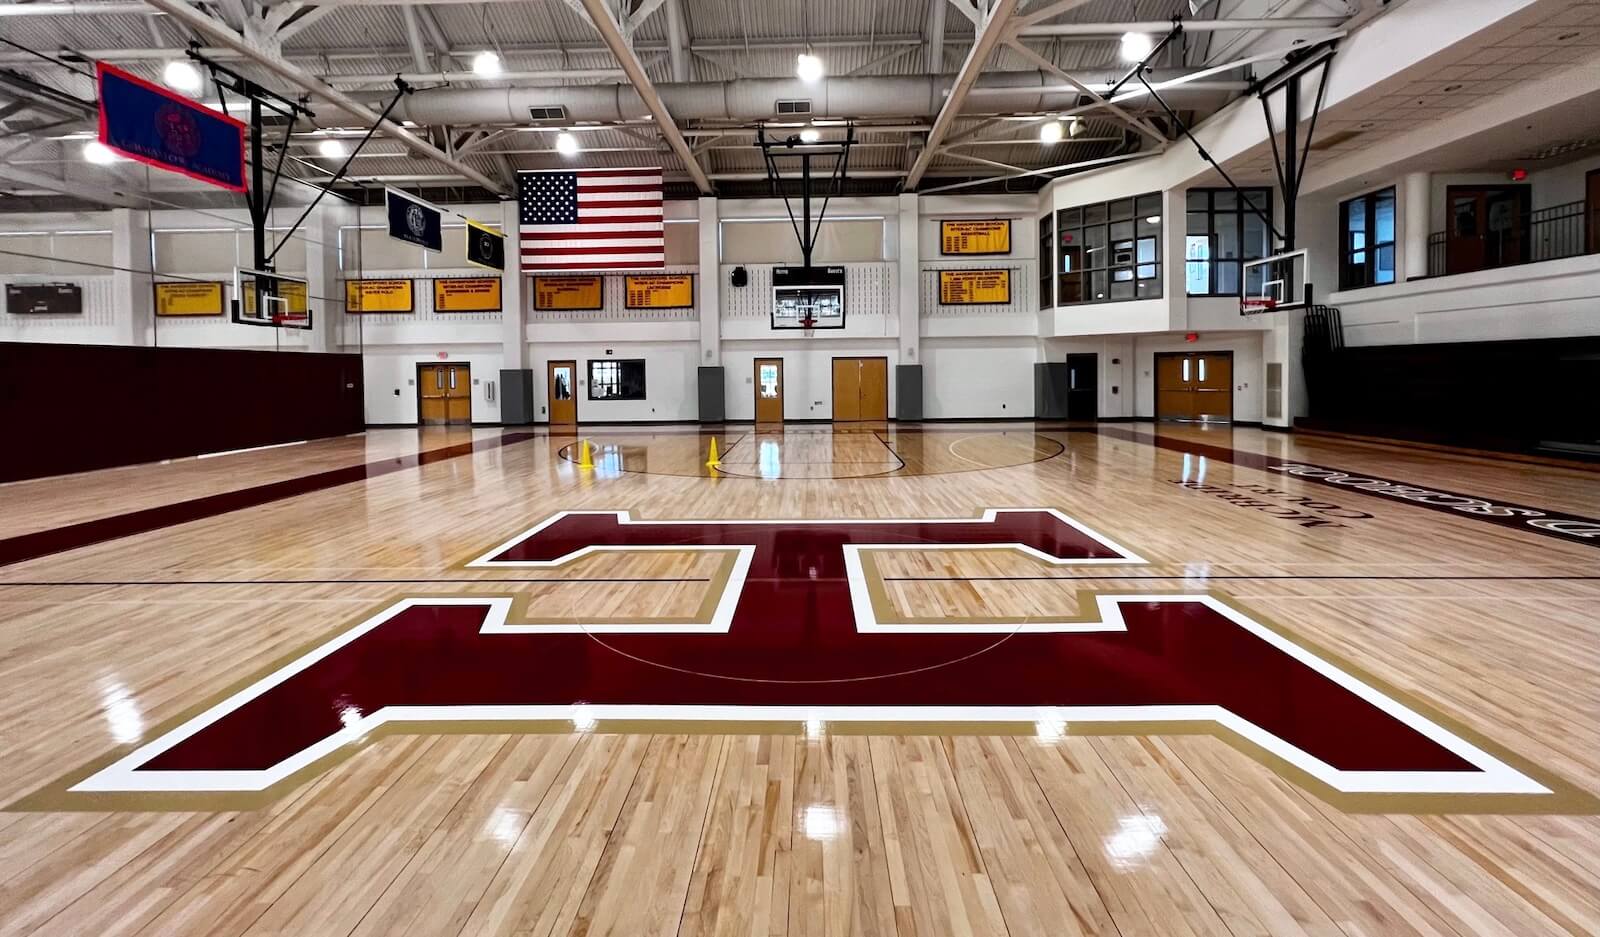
(1488, 227)
(873, 402)
(433, 397)
(860, 389)
(846, 389)
(444, 394)
(1592, 207)
(769, 390)
(458, 393)
(1175, 387)
(1213, 386)
(563, 390)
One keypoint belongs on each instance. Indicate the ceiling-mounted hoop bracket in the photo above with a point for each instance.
(1290, 162)
(793, 147)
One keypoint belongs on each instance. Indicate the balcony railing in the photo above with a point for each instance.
(1552, 234)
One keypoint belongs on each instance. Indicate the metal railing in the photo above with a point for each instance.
(1552, 234)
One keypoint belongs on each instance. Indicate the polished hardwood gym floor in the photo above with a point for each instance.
(542, 710)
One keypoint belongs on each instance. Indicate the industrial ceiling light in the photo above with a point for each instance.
(1050, 132)
(98, 153)
(181, 76)
(566, 144)
(1135, 46)
(331, 148)
(810, 135)
(808, 67)
(486, 64)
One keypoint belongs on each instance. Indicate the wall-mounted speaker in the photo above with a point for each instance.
(739, 277)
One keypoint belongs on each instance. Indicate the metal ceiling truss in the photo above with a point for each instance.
(220, 32)
(611, 32)
(989, 35)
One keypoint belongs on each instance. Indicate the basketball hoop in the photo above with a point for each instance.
(291, 320)
(1254, 304)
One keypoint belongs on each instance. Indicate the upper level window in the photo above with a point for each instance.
(1225, 227)
(1366, 240)
(1047, 297)
(1109, 251)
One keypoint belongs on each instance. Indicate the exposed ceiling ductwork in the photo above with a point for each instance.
(756, 99)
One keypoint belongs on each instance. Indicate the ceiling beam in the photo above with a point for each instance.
(988, 37)
(305, 17)
(933, 58)
(221, 33)
(1162, 27)
(1098, 99)
(70, 9)
(677, 41)
(419, 55)
(967, 9)
(644, 12)
(611, 32)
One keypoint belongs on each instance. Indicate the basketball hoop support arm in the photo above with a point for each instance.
(804, 231)
(1290, 165)
(401, 89)
(259, 196)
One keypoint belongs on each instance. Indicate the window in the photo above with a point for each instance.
(1366, 234)
(616, 380)
(1109, 252)
(1223, 230)
(1047, 291)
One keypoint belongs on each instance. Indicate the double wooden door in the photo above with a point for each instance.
(1195, 386)
(861, 388)
(444, 394)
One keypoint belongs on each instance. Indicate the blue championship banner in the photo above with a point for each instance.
(412, 220)
(148, 123)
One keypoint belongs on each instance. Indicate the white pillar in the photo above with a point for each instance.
(131, 300)
(908, 260)
(321, 233)
(513, 336)
(710, 298)
(1415, 219)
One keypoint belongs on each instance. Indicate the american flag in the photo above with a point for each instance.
(591, 219)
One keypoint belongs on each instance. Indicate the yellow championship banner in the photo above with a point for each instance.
(565, 294)
(378, 296)
(992, 236)
(466, 294)
(188, 299)
(660, 291)
(974, 287)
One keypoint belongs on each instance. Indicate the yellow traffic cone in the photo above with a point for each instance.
(586, 456)
(714, 461)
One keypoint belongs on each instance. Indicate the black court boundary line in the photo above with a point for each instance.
(1271, 577)
(86, 533)
(1266, 464)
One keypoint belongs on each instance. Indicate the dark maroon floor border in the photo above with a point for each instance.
(1568, 528)
(60, 539)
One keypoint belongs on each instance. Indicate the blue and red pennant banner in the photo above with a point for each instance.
(146, 122)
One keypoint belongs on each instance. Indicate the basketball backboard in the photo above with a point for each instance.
(271, 299)
(1274, 283)
(808, 297)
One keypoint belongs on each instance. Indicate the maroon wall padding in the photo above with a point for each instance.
(71, 408)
